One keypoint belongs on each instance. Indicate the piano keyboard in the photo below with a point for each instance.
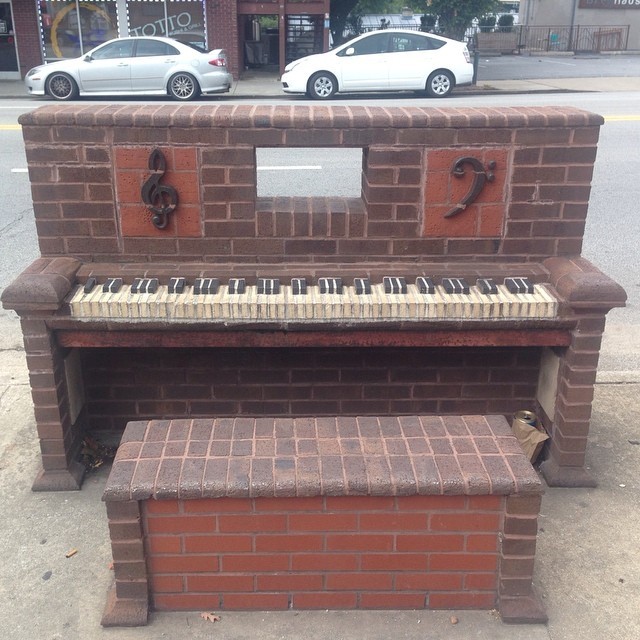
(207, 299)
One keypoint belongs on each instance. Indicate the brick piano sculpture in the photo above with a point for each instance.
(315, 388)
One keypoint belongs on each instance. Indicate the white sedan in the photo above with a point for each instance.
(134, 66)
(387, 60)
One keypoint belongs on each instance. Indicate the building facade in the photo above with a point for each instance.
(585, 13)
(255, 34)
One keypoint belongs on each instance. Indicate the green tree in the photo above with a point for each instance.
(456, 16)
(340, 10)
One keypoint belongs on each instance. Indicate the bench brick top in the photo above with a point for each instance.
(333, 456)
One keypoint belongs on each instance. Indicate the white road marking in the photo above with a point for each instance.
(291, 168)
(20, 170)
(568, 64)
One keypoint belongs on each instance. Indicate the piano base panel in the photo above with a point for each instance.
(556, 475)
(121, 612)
(424, 338)
(523, 610)
(60, 479)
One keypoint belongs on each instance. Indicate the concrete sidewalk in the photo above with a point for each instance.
(587, 567)
(263, 85)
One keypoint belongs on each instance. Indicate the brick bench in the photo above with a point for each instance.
(418, 512)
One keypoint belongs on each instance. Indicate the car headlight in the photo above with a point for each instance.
(32, 72)
(292, 65)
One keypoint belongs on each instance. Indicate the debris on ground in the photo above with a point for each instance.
(94, 454)
(210, 617)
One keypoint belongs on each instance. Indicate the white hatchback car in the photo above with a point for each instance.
(386, 60)
(134, 66)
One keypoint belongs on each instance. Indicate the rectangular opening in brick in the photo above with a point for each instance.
(309, 172)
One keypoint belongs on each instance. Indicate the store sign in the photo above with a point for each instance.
(609, 4)
(177, 23)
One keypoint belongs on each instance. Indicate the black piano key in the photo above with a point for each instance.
(487, 286)
(330, 285)
(362, 286)
(455, 285)
(519, 285)
(269, 285)
(394, 285)
(203, 286)
(237, 285)
(112, 285)
(90, 284)
(144, 285)
(177, 285)
(425, 285)
(299, 286)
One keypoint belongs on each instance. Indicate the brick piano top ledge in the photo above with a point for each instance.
(295, 457)
(307, 116)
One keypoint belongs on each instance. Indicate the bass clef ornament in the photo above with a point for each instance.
(161, 199)
(480, 177)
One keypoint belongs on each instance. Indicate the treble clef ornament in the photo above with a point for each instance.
(161, 199)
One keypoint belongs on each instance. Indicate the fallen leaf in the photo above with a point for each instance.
(210, 617)
(70, 553)
(454, 620)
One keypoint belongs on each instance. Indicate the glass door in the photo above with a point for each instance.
(8, 54)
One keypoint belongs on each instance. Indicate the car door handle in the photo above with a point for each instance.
(123, 64)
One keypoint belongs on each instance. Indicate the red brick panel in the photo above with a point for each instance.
(131, 170)
(341, 552)
(443, 191)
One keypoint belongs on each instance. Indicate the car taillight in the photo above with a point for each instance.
(218, 62)
(467, 57)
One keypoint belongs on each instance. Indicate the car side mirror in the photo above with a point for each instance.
(88, 58)
(350, 51)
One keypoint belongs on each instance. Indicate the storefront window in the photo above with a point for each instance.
(70, 28)
(182, 20)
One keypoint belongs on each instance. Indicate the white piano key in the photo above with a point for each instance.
(313, 307)
(549, 304)
(75, 302)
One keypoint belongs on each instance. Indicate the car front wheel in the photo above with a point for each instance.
(61, 86)
(322, 86)
(440, 84)
(183, 86)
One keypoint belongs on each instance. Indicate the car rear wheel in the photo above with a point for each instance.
(183, 86)
(61, 86)
(322, 86)
(440, 84)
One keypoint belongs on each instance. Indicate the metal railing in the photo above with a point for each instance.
(546, 38)
(565, 38)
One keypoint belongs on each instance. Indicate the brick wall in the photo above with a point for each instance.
(364, 552)
(123, 384)
(25, 24)
(88, 165)
(331, 513)
(535, 208)
(222, 32)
